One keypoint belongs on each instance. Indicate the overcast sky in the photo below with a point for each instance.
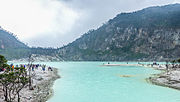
(54, 23)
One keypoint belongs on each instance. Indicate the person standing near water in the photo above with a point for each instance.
(44, 67)
(33, 68)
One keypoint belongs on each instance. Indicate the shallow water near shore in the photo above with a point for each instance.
(91, 82)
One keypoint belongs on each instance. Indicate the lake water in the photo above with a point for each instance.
(91, 82)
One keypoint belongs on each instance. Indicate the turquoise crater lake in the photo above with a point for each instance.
(91, 82)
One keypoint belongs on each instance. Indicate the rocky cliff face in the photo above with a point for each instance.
(39, 58)
(151, 34)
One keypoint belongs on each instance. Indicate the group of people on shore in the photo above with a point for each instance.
(32, 67)
(29, 67)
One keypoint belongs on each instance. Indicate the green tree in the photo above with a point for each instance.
(21, 80)
(12, 81)
(4, 80)
(3, 62)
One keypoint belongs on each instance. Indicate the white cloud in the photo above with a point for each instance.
(176, 1)
(31, 18)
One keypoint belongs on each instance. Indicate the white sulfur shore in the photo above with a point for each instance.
(121, 65)
(42, 84)
(170, 78)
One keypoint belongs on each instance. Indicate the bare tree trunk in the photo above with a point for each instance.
(29, 79)
(18, 97)
(6, 94)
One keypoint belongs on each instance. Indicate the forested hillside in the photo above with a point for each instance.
(149, 34)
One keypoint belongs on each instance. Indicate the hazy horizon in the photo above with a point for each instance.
(54, 23)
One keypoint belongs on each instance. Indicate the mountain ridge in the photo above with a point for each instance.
(145, 35)
(11, 41)
(14, 49)
(150, 34)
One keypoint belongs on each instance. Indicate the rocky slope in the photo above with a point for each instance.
(146, 35)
